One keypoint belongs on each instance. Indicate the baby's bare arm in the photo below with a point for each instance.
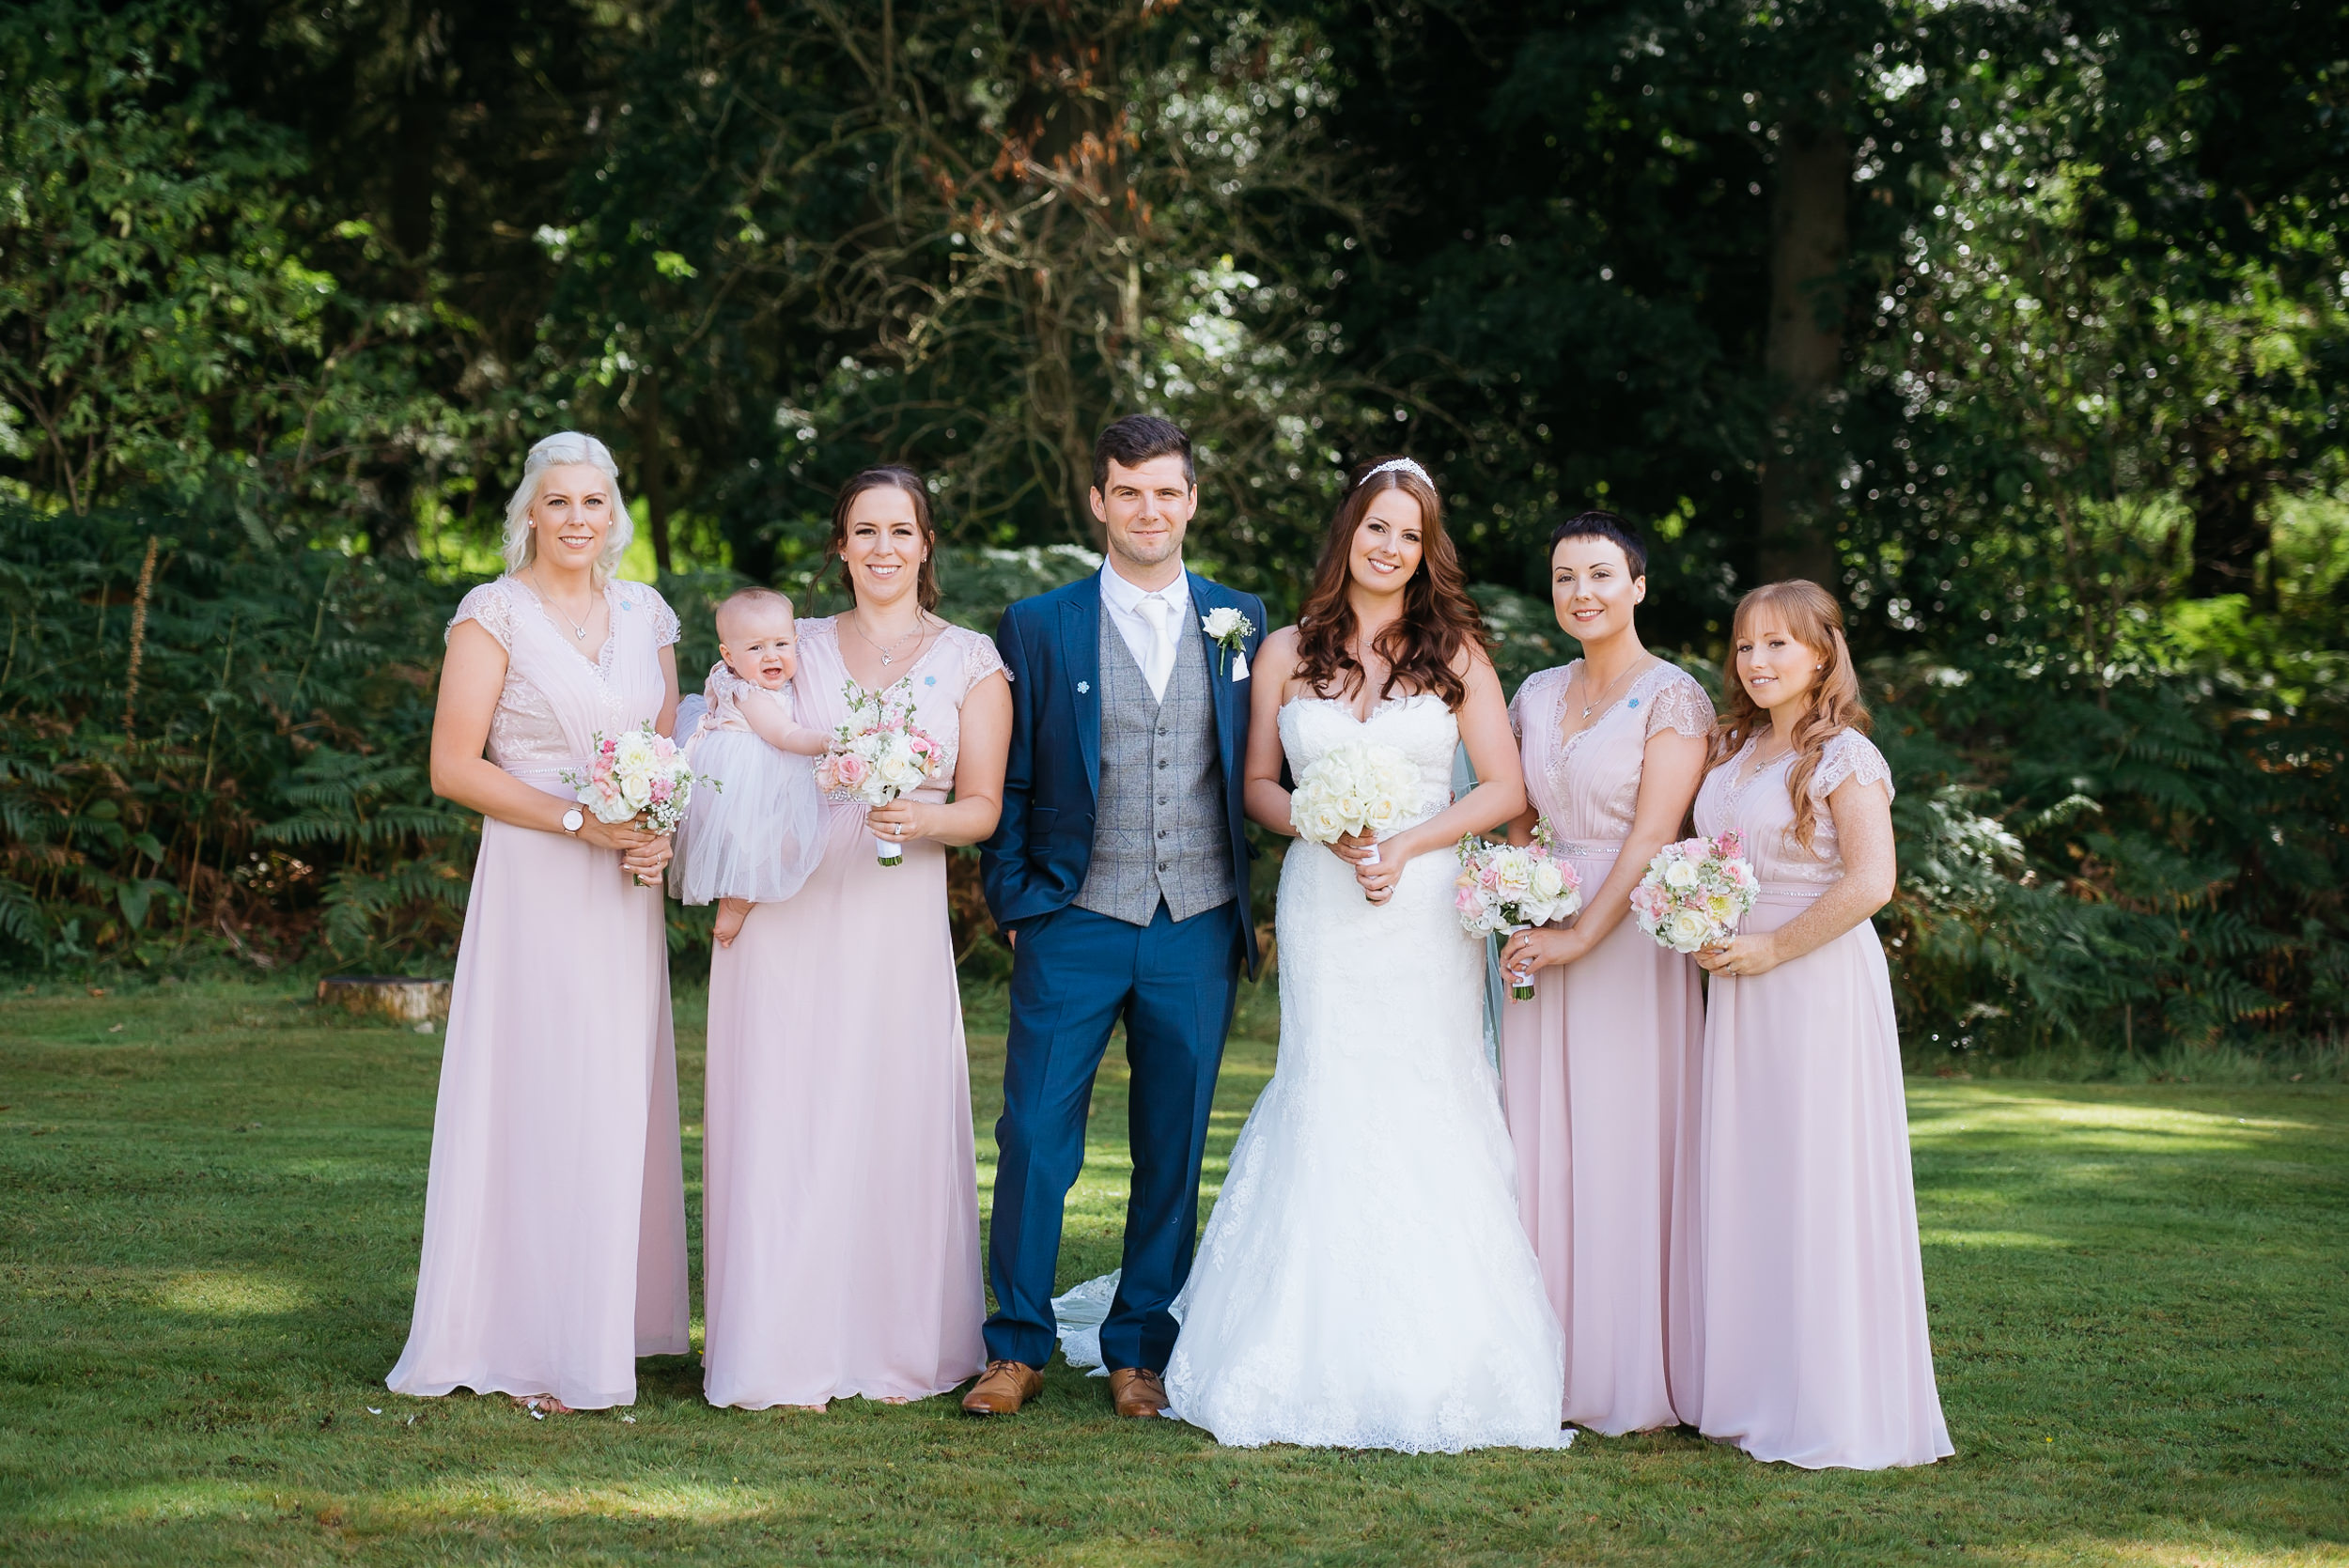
(764, 711)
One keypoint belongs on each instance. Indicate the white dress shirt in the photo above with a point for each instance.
(1151, 623)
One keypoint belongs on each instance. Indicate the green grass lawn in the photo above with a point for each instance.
(210, 1204)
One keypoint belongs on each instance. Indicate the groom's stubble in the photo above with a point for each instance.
(1145, 512)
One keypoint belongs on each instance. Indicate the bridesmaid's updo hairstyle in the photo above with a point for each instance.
(1597, 524)
(562, 450)
(1813, 618)
(1438, 618)
(904, 478)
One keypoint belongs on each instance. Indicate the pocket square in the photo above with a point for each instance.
(1239, 666)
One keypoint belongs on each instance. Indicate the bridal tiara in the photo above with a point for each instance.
(1398, 465)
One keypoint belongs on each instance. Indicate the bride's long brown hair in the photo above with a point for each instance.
(1438, 618)
(1813, 618)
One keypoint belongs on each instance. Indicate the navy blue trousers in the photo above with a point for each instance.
(1074, 975)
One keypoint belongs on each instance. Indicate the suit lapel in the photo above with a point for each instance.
(1081, 656)
(1204, 598)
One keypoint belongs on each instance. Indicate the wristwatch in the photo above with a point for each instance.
(573, 820)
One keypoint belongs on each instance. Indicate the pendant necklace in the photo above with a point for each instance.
(889, 654)
(1611, 686)
(579, 628)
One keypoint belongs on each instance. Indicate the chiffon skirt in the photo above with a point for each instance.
(841, 1199)
(555, 1219)
(1812, 1346)
(1599, 1073)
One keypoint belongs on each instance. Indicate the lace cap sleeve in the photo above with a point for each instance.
(646, 601)
(1680, 705)
(980, 657)
(491, 607)
(1528, 694)
(1850, 755)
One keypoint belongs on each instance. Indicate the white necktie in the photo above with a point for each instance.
(1159, 614)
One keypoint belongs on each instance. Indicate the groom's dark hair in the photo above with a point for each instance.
(1136, 439)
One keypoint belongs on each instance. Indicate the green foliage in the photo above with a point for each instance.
(263, 787)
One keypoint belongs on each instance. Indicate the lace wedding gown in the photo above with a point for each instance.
(1365, 1281)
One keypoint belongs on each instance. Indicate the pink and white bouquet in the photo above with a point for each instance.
(1356, 788)
(1695, 893)
(637, 776)
(878, 755)
(1504, 888)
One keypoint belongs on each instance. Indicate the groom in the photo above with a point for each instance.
(1120, 871)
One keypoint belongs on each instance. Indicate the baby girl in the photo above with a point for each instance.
(757, 837)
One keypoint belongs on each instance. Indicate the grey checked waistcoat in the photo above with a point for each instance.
(1158, 825)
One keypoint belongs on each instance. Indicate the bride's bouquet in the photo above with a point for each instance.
(1356, 788)
(1695, 893)
(637, 776)
(1504, 888)
(878, 755)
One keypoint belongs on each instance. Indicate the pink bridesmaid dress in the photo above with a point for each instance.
(1599, 1073)
(841, 1188)
(1812, 1345)
(554, 1217)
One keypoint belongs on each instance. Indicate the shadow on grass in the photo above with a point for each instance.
(211, 1216)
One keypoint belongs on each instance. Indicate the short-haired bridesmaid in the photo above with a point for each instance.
(1598, 1069)
(1811, 1344)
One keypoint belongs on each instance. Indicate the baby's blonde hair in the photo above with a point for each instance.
(749, 596)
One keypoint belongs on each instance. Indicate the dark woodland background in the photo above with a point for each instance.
(2022, 326)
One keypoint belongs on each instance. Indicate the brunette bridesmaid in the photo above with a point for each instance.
(555, 1219)
(841, 1185)
(1599, 1069)
(1811, 1344)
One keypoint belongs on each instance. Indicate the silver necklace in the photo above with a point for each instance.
(579, 628)
(888, 655)
(1583, 675)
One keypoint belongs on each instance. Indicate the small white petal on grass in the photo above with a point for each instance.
(628, 1419)
(373, 1411)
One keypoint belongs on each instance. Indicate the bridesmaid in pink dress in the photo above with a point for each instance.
(555, 1219)
(1599, 1069)
(841, 1185)
(1812, 1346)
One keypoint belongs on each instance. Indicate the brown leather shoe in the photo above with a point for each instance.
(1136, 1391)
(1003, 1388)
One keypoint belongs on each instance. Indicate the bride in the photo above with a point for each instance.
(1363, 1282)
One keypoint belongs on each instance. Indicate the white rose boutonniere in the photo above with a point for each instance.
(1228, 629)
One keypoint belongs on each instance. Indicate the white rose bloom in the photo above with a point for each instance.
(1222, 623)
(1680, 875)
(1686, 928)
(1547, 881)
(1513, 874)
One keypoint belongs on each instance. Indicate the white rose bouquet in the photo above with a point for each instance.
(1357, 789)
(878, 755)
(637, 776)
(1504, 888)
(1695, 893)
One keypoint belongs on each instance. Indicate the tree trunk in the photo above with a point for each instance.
(1804, 354)
(650, 457)
(2230, 528)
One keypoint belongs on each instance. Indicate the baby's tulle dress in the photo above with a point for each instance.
(757, 832)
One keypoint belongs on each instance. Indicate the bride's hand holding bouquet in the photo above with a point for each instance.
(1349, 799)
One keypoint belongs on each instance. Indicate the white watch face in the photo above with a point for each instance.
(573, 820)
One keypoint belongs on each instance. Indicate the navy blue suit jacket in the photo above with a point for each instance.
(1043, 843)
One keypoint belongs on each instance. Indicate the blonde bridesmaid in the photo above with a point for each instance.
(1812, 1346)
(555, 1218)
(1599, 1069)
(841, 1227)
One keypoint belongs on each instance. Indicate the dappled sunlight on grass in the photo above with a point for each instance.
(222, 1293)
(207, 1262)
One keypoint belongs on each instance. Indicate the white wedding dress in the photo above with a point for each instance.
(1365, 1281)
